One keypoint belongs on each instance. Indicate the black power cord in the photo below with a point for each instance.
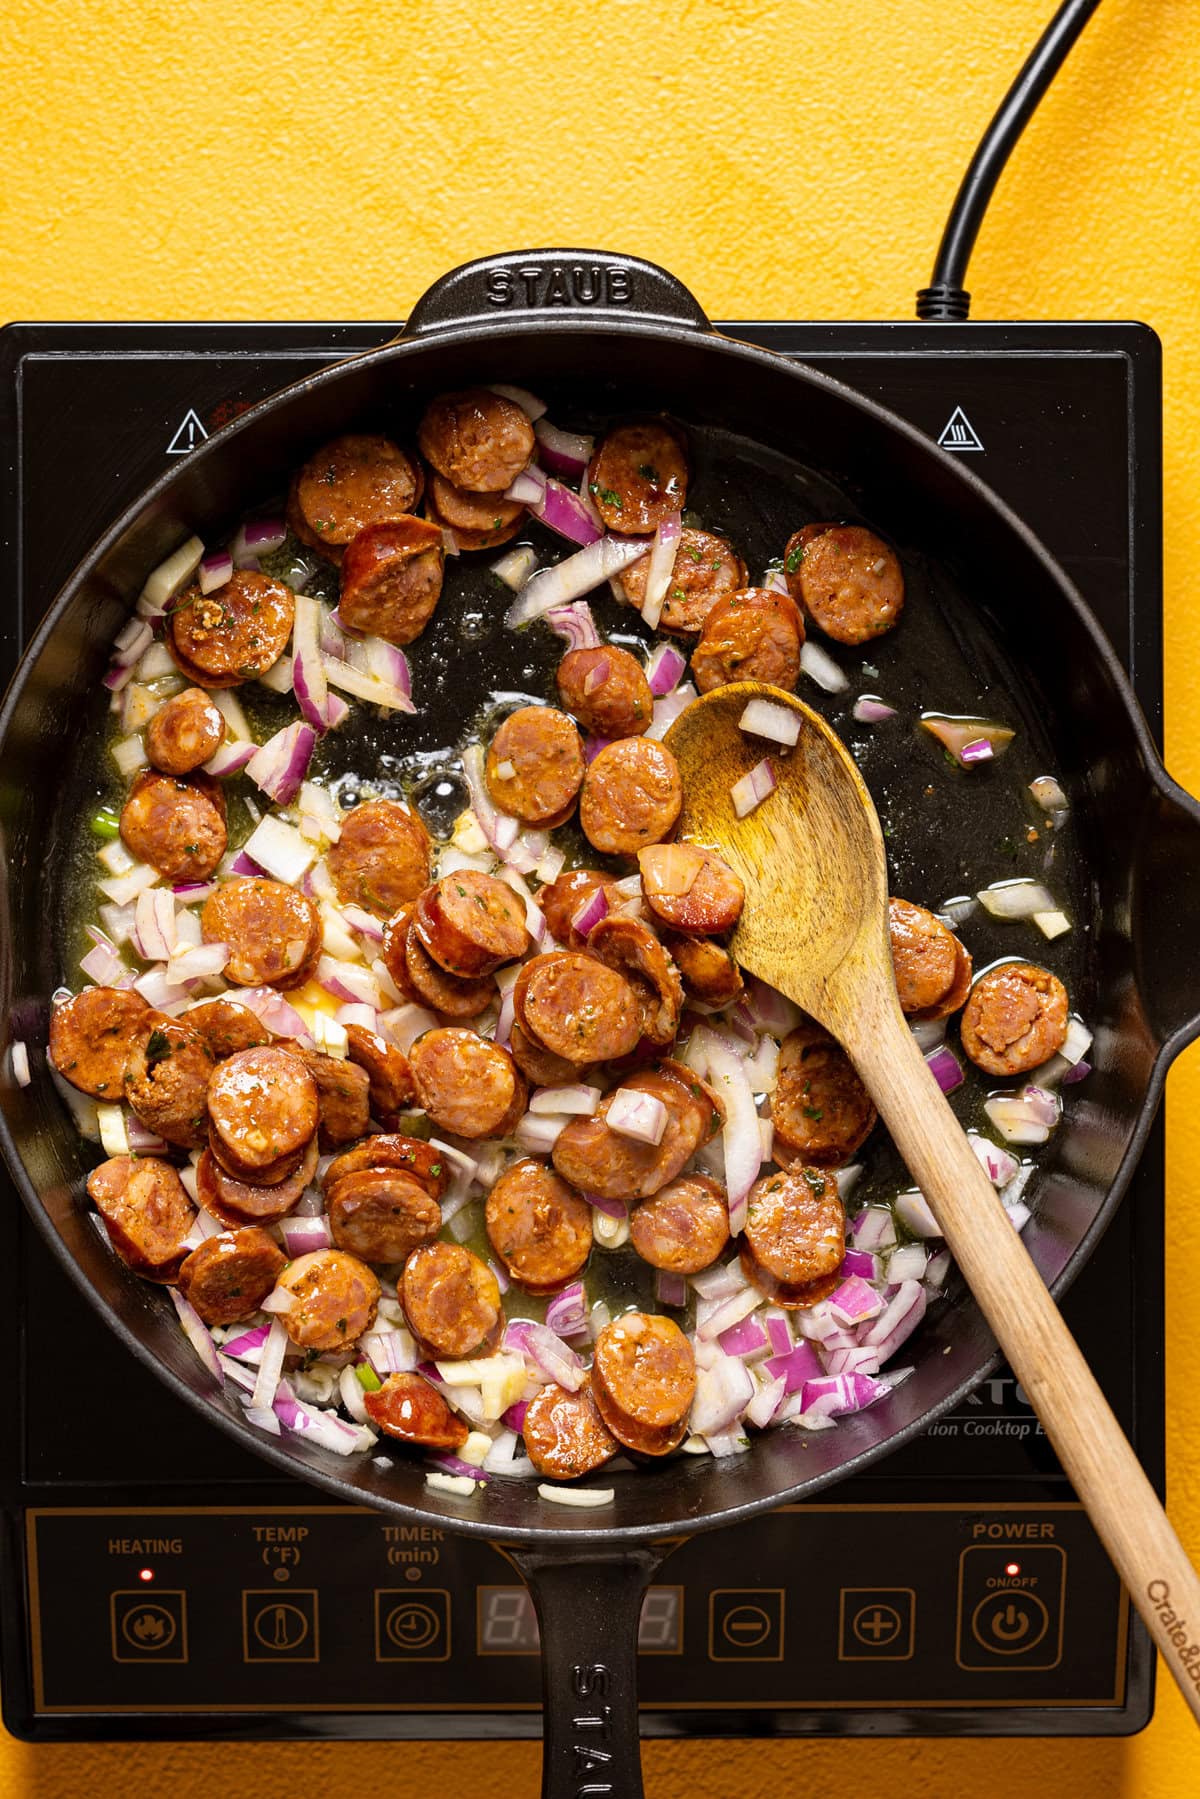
(946, 297)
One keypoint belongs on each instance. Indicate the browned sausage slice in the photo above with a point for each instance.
(273, 932)
(408, 1408)
(539, 1064)
(707, 568)
(933, 970)
(632, 794)
(274, 1174)
(381, 1214)
(820, 1109)
(451, 1299)
(577, 1008)
(753, 635)
(411, 1155)
(795, 1229)
(563, 898)
(90, 1037)
(263, 1105)
(638, 477)
(147, 1212)
(395, 940)
(846, 579)
(236, 1202)
(538, 1226)
(235, 633)
(166, 1078)
(606, 690)
(479, 521)
(1015, 1019)
(335, 1297)
(465, 1083)
(350, 483)
(594, 1159)
(381, 859)
(228, 1276)
(471, 923)
(644, 1380)
(683, 1227)
(691, 889)
(392, 579)
(226, 1027)
(446, 993)
(476, 439)
(630, 947)
(391, 1086)
(709, 972)
(564, 1433)
(535, 765)
(343, 1095)
(176, 825)
(185, 731)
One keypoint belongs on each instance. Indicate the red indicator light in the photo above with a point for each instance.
(1011, 1568)
(145, 1573)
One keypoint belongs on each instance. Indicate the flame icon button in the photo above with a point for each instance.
(149, 1629)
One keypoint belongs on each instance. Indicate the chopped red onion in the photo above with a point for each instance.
(530, 405)
(745, 1338)
(741, 1137)
(958, 735)
(273, 1010)
(997, 1163)
(854, 1301)
(822, 668)
(389, 1352)
(302, 1235)
(1015, 899)
(242, 864)
(309, 682)
(505, 1021)
(103, 965)
(979, 751)
(516, 566)
(938, 1268)
(593, 745)
(870, 711)
(158, 991)
(597, 675)
(566, 1313)
(779, 1331)
(722, 1393)
(861, 1262)
(577, 1099)
(366, 687)
(714, 1317)
(898, 1321)
(365, 923)
(1019, 1215)
(197, 1334)
(798, 1364)
(257, 537)
(907, 1264)
(765, 1404)
(280, 766)
(574, 577)
(857, 1360)
(453, 1464)
(514, 1417)
(215, 570)
(279, 849)
(154, 933)
(250, 1343)
(18, 1061)
(197, 962)
(164, 582)
(832, 1395)
(1079, 1072)
(753, 788)
(915, 1214)
(589, 914)
(527, 488)
(669, 708)
(612, 1208)
(663, 552)
(404, 1024)
(766, 718)
(548, 1353)
(562, 511)
(670, 1288)
(538, 1135)
(665, 669)
(575, 625)
(348, 981)
(944, 1066)
(563, 452)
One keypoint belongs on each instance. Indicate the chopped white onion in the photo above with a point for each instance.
(753, 788)
(821, 668)
(1015, 899)
(280, 849)
(766, 718)
(637, 1115)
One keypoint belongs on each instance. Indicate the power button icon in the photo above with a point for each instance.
(1010, 1607)
(1009, 1624)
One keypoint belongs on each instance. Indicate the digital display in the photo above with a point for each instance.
(508, 1623)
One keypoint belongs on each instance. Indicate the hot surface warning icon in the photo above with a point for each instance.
(958, 433)
(190, 433)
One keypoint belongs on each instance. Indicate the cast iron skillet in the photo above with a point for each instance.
(591, 323)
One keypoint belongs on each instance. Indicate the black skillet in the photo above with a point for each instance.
(993, 625)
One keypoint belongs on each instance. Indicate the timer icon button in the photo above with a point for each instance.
(412, 1625)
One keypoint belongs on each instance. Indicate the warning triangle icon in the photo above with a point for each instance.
(958, 433)
(190, 433)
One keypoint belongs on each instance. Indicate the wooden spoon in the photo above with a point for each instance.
(815, 926)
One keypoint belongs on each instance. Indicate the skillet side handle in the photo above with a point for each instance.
(554, 283)
(1166, 913)
(588, 1608)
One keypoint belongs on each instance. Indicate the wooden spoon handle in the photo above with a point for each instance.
(1041, 1351)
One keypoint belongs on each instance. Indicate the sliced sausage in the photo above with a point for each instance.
(846, 580)
(408, 1408)
(631, 948)
(90, 1037)
(538, 1226)
(471, 923)
(185, 731)
(708, 971)
(683, 1227)
(451, 1300)
(392, 579)
(395, 939)
(606, 690)
(644, 1381)
(594, 1159)
(691, 889)
(563, 899)
(411, 1155)
(176, 825)
(707, 568)
(274, 932)
(350, 483)
(274, 1174)
(478, 521)
(933, 970)
(535, 765)
(449, 994)
(795, 1230)
(233, 634)
(476, 439)
(387, 1070)
(638, 477)
(147, 1213)
(263, 1105)
(334, 1299)
(466, 1084)
(381, 1214)
(564, 1433)
(228, 1276)
(820, 1109)
(753, 635)
(632, 794)
(577, 1008)
(166, 1078)
(226, 1027)
(1015, 1019)
(381, 858)
(236, 1202)
(343, 1095)
(539, 1064)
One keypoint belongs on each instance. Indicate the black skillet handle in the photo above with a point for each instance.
(588, 1611)
(551, 284)
(1166, 912)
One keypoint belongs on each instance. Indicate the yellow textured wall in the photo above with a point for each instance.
(328, 158)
